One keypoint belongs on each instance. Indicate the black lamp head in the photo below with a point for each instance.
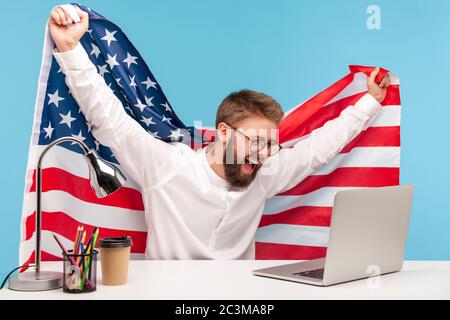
(104, 176)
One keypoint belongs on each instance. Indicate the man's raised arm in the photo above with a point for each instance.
(141, 155)
(323, 144)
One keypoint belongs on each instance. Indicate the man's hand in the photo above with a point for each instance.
(377, 90)
(63, 31)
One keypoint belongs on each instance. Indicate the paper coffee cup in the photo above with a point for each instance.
(114, 257)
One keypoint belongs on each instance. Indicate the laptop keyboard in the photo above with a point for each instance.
(316, 274)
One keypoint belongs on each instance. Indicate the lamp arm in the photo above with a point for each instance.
(39, 193)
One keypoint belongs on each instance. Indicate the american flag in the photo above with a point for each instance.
(295, 223)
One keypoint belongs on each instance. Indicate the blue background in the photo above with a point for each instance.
(201, 50)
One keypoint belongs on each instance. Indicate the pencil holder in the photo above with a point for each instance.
(80, 272)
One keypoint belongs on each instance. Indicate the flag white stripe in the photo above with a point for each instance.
(90, 213)
(363, 157)
(389, 116)
(293, 235)
(359, 85)
(323, 197)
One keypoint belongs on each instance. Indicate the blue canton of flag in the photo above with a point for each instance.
(127, 74)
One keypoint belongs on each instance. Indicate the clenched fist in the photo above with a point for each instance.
(378, 90)
(63, 31)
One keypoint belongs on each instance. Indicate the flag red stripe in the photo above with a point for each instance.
(297, 117)
(319, 118)
(58, 179)
(306, 215)
(375, 137)
(347, 177)
(392, 96)
(64, 225)
(324, 114)
(275, 251)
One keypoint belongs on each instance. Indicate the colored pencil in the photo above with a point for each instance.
(75, 241)
(63, 248)
(81, 244)
(80, 233)
(90, 249)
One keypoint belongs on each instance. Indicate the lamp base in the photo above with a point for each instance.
(36, 281)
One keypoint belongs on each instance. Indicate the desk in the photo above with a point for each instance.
(208, 279)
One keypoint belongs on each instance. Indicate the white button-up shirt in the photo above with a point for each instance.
(190, 211)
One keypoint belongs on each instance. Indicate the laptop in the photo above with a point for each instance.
(368, 232)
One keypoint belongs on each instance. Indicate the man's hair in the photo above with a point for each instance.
(241, 104)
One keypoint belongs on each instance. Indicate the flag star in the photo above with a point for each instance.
(166, 105)
(55, 98)
(79, 137)
(109, 36)
(97, 144)
(147, 121)
(49, 131)
(140, 105)
(90, 32)
(109, 85)
(167, 120)
(129, 109)
(130, 60)
(155, 134)
(128, 100)
(148, 101)
(67, 119)
(59, 70)
(95, 50)
(118, 81)
(102, 70)
(176, 134)
(149, 83)
(132, 82)
(112, 61)
(89, 125)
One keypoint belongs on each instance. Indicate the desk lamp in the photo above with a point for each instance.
(105, 178)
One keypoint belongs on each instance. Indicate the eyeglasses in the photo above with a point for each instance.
(258, 144)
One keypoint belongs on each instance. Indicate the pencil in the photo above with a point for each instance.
(77, 247)
(81, 244)
(89, 262)
(63, 248)
(75, 241)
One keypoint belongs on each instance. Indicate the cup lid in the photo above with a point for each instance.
(118, 242)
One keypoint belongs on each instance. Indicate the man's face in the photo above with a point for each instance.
(246, 149)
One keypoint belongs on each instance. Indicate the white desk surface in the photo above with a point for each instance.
(201, 279)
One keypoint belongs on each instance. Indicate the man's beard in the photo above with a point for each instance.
(233, 171)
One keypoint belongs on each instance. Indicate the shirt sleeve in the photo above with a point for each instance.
(291, 165)
(143, 157)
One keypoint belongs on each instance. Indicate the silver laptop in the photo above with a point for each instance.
(368, 234)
